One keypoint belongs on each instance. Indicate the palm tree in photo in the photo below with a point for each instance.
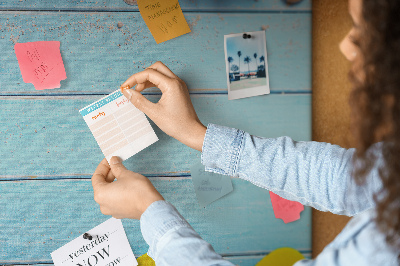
(255, 60)
(261, 69)
(239, 55)
(262, 60)
(230, 60)
(247, 60)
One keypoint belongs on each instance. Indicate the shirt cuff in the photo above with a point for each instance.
(221, 150)
(158, 219)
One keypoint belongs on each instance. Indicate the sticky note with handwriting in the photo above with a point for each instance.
(41, 64)
(284, 209)
(209, 186)
(118, 126)
(108, 246)
(164, 18)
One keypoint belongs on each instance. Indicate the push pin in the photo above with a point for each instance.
(87, 236)
(246, 36)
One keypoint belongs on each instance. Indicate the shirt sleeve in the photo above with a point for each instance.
(172, 241)
(312, 173)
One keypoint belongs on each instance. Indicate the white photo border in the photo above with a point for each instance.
(248, 92)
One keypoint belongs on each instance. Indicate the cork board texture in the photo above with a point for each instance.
(331, 89)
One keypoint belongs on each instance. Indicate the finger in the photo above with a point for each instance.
(160, 67)
(140, 102)
(142, 86)
(117, 167)
(110, 177)
(159, 80)
(100, 174)
(105, 210)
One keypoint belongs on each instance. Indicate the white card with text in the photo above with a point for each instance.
(118, 126)
(109, 246)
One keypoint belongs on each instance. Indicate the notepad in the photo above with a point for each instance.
(118, 126)
(108, 246)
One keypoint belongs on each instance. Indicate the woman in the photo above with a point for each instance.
(363, 183)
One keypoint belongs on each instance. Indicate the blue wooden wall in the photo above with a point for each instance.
(48, 154)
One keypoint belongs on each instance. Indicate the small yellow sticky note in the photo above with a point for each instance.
(281, 257)
(145, 260)
(164, 18)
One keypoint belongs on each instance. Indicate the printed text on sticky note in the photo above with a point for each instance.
(108, 246)
(164, 18)
(118, 126)
(209, 186)
(284, 209)
(41, 63)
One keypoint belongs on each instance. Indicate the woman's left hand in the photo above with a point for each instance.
(128, 197)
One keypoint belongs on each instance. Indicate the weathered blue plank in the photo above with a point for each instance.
(186, 5)
(38, 217)
(46, 136)
(99, 56)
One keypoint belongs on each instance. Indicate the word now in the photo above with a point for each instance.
(94, 258)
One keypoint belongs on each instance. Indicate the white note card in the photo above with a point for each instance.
(108, 247)
(118, 126)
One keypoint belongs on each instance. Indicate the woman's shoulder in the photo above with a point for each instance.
(362, 240)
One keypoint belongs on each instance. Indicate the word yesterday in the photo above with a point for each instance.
(89, 246)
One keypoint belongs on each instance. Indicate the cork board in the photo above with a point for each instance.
(331, 89)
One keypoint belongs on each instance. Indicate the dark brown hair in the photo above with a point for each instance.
(375, 103)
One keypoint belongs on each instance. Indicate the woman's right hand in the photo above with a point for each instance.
(174, 112)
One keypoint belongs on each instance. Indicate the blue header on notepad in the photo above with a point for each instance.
(100, 103)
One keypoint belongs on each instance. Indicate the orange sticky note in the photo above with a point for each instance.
(164, 18)
(41, 64)
(284, 209)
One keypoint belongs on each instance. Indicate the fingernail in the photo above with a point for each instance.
(115, 160)
(124, 87)
(130, 93)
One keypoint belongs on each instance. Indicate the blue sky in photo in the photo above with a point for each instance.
(248, 47)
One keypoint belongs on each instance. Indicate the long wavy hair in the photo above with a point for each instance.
(375, 103)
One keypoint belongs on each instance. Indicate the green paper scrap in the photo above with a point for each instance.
(209, 186)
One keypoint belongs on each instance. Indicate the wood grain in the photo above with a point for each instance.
(47, 136)
(186, 5)
(49, 154)
(52, 213)
(98, 56)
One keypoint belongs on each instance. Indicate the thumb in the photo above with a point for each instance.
(117, 167)
(138, 100)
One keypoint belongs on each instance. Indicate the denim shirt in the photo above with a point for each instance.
(312, 173)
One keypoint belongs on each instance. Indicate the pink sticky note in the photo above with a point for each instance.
(284, 209)
(41, 64)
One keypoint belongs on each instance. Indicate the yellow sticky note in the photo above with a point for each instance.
(164, 18)
(145, 260)
(281, 257)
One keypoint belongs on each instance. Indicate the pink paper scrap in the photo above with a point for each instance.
(284, 209)
(41, 63)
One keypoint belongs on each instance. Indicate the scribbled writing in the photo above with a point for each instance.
(100, 114)
(121, 102)
(42, 70)
(163, 11)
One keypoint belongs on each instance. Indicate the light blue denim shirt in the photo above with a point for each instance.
(312, 173)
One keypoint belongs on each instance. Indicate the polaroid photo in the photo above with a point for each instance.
(246, 64)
